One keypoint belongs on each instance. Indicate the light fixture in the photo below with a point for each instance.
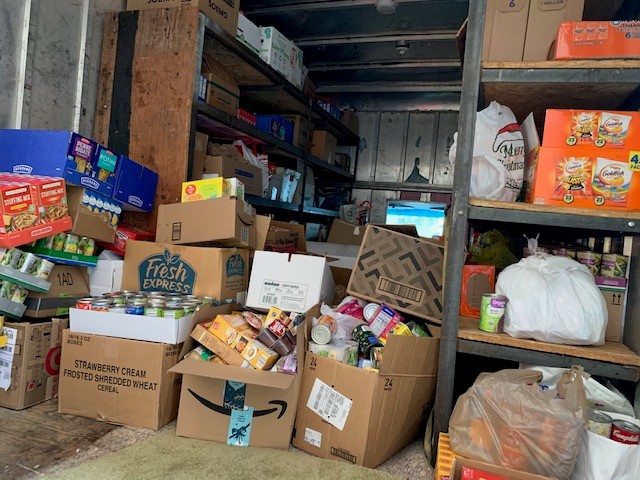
(401, 47)
(386, 7)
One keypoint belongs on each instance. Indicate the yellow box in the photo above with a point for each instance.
(212, 188)
(237, 334)
(445, 458)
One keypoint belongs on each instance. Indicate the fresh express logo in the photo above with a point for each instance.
(89, 182)
(235, 266)
(135, 201)
(167, 273)
(22, 169)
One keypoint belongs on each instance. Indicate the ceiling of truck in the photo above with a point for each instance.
(350, 47)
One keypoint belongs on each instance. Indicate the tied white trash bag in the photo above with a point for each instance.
(497, 170)
(601, 458)
(553, 299)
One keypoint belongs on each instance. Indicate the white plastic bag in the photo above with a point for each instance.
(498, 155)
(553, 299)
(601, 458)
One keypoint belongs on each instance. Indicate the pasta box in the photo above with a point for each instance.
(63, 154)
(135, 185)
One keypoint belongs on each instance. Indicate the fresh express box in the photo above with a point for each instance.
(363, 417)
(400, 270)
(30, 362)
(235, 405)
(221, 273)
(64, 154)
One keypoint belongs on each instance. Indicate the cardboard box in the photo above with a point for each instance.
(350, 120)
(585, 178)
(135, 185)
(61, 154)
(209, 188)
(199, 154)
(460, 463)
(339, 255)
(282, 54)
(225, 13)
(182, 223)
(598, 40)
(592, 128)
(217, 272)
(249, 34)
(545, 17)
(106, 277)
(277, 126)
(445, 458)
(504, 30)
(614, 291)
(290, 282)
(381, 413)
(120, 381)
(32, 358)
(68, 284)
(302, 130)
(403, 271)
(274, 236)
(323, 146)
(229, 167)
(94, 215)
(345, 233)
(211, 393)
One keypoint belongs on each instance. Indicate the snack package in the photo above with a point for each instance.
(573, 174)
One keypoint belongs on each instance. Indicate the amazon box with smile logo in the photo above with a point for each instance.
(220, 222)
(221, 273)
(236, 405)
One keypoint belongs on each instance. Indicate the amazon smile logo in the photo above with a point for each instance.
(279, 405)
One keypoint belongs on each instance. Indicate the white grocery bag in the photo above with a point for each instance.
(497, 170)
(601, 458)
(553, 299)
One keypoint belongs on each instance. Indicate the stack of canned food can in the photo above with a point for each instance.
(150, 304)
(69, 243)
(26, 263)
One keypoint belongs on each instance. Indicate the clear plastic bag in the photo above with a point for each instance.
(505, 418)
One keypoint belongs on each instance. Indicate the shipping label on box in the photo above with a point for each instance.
(218, 272)
(402, 271)
(119, 381)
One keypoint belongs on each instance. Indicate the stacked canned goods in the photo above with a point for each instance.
(619, 431)
(69, 243)
(150, 304)
(26, 263)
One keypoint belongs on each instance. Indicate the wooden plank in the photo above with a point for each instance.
(532, 207)
(611, 352)
(615, 63)
(161, 100)
(105, 82)
(40, 437)
(523, 98)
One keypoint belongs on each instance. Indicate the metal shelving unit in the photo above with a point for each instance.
(526, 87)
(263, 89)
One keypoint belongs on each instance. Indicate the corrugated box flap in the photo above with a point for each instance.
(414, 356)
(238, 374)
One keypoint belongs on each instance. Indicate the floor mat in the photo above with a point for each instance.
(167, 456)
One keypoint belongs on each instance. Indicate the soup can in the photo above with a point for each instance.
(84, 303)
(324, 330)
(365, 338)
(492, 312)
(625, 432)
(370, 310)
(44, 269)
(600, 423)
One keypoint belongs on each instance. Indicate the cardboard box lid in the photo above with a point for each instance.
(345, 233)
(262, 231)
(415, 356)
(459, 462)
(191, 366)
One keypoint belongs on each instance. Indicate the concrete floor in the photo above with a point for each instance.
(410, 463)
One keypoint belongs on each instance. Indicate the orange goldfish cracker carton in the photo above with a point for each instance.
(592, 128)
(598, 40)
(586, 178)
(241, 337)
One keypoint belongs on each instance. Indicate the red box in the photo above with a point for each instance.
(474, 474)
(124, 233)
(598, 40)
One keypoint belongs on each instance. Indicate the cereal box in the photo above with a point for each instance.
(586, 178)
(592, 128)
(241, 337)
